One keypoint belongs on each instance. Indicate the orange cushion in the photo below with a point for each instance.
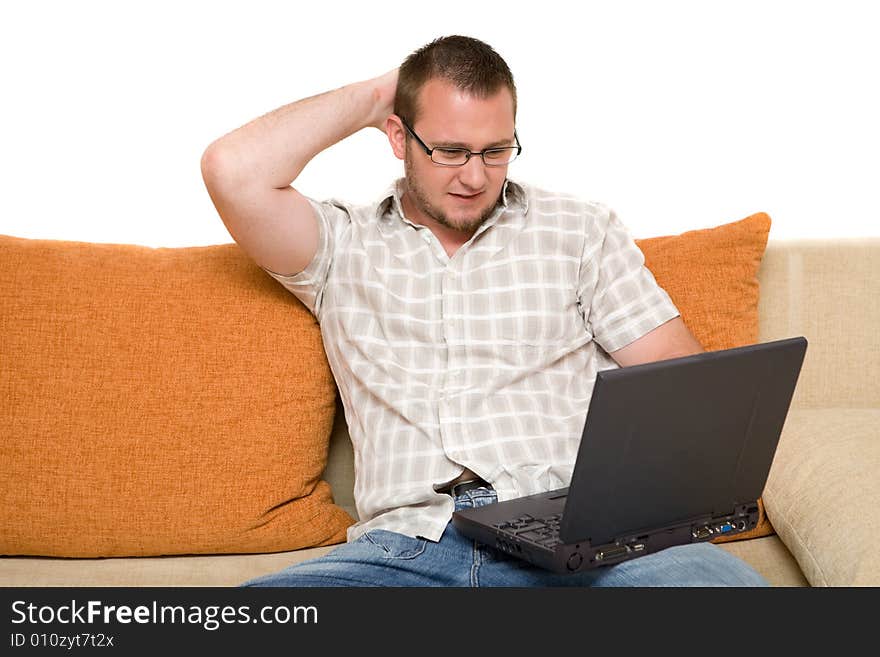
(158, 401)
(712, 276)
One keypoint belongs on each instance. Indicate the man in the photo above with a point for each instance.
(465, 317)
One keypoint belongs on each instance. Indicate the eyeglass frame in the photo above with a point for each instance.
(430, 151)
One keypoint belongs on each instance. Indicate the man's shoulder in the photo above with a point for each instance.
(543, 200)
(355, 210)
(368, 210)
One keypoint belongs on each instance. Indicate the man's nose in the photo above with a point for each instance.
(473, 173)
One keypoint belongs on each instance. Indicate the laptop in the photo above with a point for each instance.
(672, 452)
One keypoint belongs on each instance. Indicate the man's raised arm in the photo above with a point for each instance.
(248, 172)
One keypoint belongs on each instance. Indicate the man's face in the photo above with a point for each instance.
(459, 198)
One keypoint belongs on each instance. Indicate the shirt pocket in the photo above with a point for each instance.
(537, 314)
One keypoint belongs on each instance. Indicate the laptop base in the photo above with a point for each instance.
(522, 536)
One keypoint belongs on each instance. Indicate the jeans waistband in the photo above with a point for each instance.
(474, 497)
(463, 486)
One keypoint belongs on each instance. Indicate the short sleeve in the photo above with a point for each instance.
(334, 220)
(619, 295)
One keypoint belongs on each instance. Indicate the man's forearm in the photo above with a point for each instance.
(273, 149)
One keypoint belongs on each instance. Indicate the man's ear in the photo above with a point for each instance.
(396, 135)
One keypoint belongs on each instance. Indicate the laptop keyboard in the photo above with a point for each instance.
(543, 531)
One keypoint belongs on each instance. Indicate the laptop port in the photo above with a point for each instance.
(702, 532)
(611, 552)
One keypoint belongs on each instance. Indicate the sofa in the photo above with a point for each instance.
(169, 417)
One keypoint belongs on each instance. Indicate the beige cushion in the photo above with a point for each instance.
(823, 494)
(827, 290)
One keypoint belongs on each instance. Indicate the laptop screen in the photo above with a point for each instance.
(678, 439)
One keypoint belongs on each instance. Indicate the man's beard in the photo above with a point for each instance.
(420, 199)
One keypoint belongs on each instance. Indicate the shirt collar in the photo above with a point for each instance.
(513, 196)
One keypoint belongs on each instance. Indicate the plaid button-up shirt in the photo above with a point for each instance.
(484, 360)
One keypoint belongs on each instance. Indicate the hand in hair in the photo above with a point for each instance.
(384, 89)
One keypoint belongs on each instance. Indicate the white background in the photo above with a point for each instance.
(679, 114)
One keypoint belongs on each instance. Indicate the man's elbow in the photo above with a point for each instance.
(213, 163)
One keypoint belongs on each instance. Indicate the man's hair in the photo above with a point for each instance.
(468, 63)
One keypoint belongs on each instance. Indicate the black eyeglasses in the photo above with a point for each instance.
(457, 157)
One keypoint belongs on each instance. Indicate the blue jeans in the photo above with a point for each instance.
(384, 558)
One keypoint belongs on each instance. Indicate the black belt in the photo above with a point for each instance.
(470, 484)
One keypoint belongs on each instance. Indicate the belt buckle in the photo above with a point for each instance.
(467, 485)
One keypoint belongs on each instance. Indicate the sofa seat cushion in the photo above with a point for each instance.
(194, 570)
(158, 401)
(769, 556)
(823, 492)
